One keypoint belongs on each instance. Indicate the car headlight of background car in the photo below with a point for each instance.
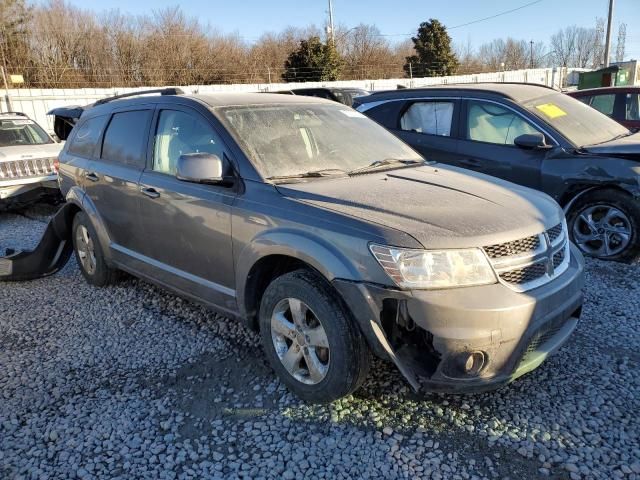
(431, 269)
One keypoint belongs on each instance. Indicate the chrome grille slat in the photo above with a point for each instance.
(27, 168)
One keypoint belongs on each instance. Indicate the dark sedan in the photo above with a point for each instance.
(620, 103)
(534, 136)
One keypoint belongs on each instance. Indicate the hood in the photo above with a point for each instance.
(625, 147)
(440, 206)
(26, 152)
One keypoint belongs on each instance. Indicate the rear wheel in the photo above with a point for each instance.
(310, 339)
(604, 224)
(89, 254)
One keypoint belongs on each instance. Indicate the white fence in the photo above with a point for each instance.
(37, 102)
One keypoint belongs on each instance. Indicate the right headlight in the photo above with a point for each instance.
(431, 269)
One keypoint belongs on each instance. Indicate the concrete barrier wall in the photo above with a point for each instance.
(37, 102)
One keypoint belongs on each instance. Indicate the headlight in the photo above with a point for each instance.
(426, 269)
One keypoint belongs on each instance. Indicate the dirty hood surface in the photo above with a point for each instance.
(440, 206)
(25, 152)
(628, 146)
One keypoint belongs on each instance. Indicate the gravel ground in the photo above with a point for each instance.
(131, 382)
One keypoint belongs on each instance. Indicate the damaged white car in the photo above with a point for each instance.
(27, 161)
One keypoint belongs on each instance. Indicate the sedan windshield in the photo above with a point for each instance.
(22, 132)
(312, 140)
(577, 122)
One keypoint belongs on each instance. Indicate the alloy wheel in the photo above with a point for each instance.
(300, 341)
(86, 250)
(602, 230)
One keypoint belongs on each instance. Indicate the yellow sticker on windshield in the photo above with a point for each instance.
(550, 110)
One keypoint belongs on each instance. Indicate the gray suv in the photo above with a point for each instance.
(324, 232)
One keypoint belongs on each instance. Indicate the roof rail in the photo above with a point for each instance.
(161, 91)
(14, 113)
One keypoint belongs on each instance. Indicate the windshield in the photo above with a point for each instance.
(577, 122)
(22, 132)
(294, 139)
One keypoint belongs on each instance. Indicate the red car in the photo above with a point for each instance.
(620, 103)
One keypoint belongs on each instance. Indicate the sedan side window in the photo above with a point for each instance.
(632, 106)
(180, 133)
(604, 103)
(491, 123)
(433, 118)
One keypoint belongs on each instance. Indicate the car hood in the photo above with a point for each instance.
(25, 152)
(627, 147)
(440, 206)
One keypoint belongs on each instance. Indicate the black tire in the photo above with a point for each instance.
(102, 275)
(349, 355)
(608, 198)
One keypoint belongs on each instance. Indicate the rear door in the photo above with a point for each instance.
(488, 131)
(187, 225)
(112, 178)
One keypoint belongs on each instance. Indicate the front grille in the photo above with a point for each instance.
(516, 247)
(32, 167)
(555, 232)
(532, 261)
(524, 275)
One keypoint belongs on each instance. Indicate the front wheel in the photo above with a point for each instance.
(310, 339)
(604, 224)
(89, 254)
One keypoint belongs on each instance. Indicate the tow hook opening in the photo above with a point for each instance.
(411, 343)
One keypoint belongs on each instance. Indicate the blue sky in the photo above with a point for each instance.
(250, 18)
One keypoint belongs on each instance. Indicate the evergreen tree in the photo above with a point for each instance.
(434, 54)
(313, 61)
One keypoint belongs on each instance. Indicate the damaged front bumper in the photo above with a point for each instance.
(467, 339)
(50, 255)
(23, 187)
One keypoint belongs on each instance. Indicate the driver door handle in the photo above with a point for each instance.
(471, 162)
(150, 192)
(92, 176)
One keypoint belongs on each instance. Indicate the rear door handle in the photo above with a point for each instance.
(471, 162)
(150, 192)
(92, 176)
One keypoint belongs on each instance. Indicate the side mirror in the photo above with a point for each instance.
(200, 168)
(532, 141)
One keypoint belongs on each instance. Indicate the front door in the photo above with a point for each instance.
(188, 225)
(487, 143)
(111, 179)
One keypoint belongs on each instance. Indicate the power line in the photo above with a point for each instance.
(496, 15)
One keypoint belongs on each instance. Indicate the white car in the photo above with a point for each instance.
(27, 157)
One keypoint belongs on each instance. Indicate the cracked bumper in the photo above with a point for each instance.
(512, 332)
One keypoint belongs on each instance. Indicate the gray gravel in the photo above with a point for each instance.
(131, 382)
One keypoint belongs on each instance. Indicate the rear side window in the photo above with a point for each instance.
(433, 118)
(491, 123)
(87, 137)
(604, 103)
(126, 138)
(632, 106)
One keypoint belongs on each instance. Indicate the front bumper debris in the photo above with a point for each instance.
(50, 255)
(468, 339)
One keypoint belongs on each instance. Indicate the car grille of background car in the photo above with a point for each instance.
(32, 167)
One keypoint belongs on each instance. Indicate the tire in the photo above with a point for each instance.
(89, 255)
(339, 369)
(609, 214)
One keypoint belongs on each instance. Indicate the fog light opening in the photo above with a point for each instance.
(472, 363)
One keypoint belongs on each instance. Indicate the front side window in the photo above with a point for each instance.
(17, 132)
(291, 139)
(491, 123)
(180, 133)
(433, 118)
(603, 103)
(84, 142)
(126, 138)
(632, 106)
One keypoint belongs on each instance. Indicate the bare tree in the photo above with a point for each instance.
(575, 46)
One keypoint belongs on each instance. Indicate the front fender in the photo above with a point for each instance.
(303, 246)
(96, 220)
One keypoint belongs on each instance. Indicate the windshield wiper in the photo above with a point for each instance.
(387, 162)
(324, 172)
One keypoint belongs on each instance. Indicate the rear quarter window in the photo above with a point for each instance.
(126, 138)
(83, 143)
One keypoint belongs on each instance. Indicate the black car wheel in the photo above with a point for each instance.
(310, 338)
(89, 253)
(604, 224)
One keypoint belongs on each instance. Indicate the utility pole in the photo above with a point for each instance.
(331, 32)
(6, 88)
(607, 46)
(531, 45)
